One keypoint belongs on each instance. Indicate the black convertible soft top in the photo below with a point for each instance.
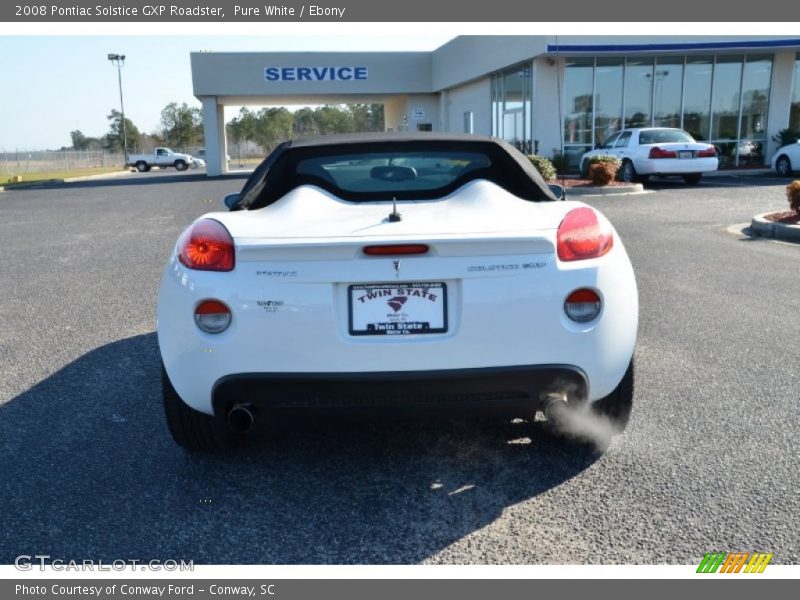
(278, 174)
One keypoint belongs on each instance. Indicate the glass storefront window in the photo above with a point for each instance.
(756, 80)
(578, 86)
(607, 98)
(721, 99)
(496, 104)
(667, 92)
(638, 92)
(794, 111)
(511, 106)
(725, 97)
(697, 96)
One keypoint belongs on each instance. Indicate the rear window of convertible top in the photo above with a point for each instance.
(392, 172)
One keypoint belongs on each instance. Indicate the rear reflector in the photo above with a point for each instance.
(212, 316)
(396, 249)
(580, 236)
(582, 305)
(656, 152)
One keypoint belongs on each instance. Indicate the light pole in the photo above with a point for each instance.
(118, 60)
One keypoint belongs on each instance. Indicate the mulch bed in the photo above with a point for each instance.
(787, 217)
(570, 183)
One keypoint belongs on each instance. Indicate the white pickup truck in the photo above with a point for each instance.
(163, 157)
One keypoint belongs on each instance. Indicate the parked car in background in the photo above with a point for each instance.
(394, 271)
(787, 159)
(657, 151)
(163, 157)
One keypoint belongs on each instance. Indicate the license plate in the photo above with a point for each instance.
(397, 308)
(685, 154)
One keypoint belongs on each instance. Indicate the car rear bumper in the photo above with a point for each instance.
(514, 390)
(676, 166)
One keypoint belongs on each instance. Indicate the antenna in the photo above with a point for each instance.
(394, 216)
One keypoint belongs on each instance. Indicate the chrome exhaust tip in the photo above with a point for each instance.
(555, 406)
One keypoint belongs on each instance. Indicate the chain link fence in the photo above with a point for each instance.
(21, 162)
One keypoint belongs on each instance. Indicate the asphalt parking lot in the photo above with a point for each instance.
(708, 462)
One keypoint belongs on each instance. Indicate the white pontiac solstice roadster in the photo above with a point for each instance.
(395, 271)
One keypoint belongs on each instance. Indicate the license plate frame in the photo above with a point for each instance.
(396, 322)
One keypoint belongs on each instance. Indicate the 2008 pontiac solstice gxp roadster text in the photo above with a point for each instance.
(394, 270)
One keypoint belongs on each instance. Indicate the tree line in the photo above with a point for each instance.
(181, 126)
(269, 127)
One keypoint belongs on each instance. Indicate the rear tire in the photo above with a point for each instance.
(627, 173)
(191, 428)
(783, 166)
(142, 166)
(181, 165)
(693, 178)
(618, 404)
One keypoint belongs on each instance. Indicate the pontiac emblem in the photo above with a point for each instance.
(396, 268)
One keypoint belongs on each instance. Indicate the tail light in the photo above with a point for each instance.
(707, 153)
(581, 236)
(582, 305)
(212, 316)
(395, 249)
(207, 246)
(656, 152)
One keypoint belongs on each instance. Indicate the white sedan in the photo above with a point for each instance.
(787, 159)
(657, 151)
(394, 271)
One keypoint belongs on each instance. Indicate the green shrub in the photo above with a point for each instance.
(544, 166)
(786, 136)
(793, 195)
(559, 161)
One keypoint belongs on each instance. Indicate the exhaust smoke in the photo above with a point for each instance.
(578, 421)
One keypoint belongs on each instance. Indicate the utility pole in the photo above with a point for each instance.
(118, 60)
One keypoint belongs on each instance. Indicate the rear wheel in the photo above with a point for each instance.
(191, 428)
(693, 178)
(626, 171)
(783, 166)
(618, 404)
(142, 167)
(181, 165)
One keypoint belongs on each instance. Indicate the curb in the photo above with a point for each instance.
(781, 231)
(111, 175)
(611, 190)
(33, 185)
(43, 183)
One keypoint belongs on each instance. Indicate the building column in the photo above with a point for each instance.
(215, 140)
(780, 99)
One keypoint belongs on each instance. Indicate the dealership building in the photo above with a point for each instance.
(541, 93)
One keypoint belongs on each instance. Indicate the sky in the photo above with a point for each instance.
(52, 85)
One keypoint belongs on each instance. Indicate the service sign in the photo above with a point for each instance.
(398, 309)
(316, 74)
